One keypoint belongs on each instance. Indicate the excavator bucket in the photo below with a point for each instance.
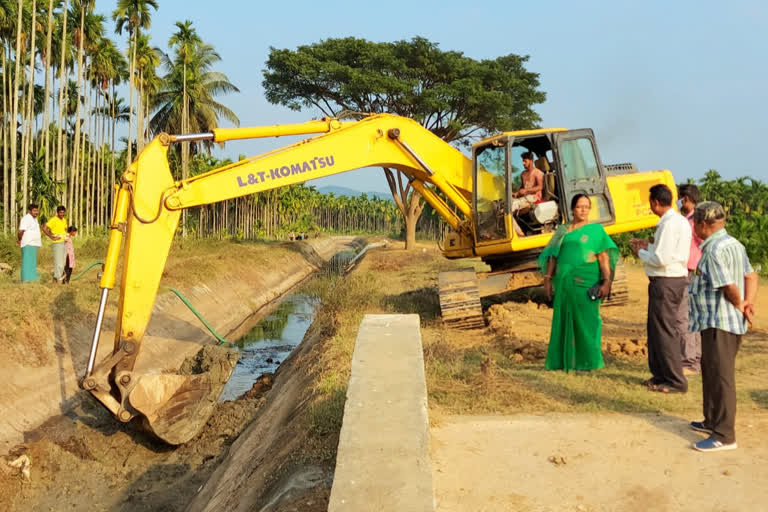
(176, 407)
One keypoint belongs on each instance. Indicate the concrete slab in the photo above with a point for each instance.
(383, 459)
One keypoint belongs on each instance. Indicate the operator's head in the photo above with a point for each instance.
(61, 211)
(527, 160)
(688, 197)
(660, 199)
(708, 218)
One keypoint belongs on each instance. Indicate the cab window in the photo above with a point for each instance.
(578, 159)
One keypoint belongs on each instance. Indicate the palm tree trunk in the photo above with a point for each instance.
(60, 142)
(112, 151)
(140, 113)
(184, 145)
(46, 110)
(101, 121)
(27, 123)
(6, 171)
(14, 115)
(128, 159)
(75, 167)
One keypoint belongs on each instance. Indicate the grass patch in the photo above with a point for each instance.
(30, 313)
(483, 380)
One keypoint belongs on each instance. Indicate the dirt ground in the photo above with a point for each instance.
(597, 462)
(589, 463)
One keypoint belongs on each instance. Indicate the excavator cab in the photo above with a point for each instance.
(571, 165)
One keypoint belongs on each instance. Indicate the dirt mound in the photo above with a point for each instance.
(522, 329)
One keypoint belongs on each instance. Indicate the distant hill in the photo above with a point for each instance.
(350, 192)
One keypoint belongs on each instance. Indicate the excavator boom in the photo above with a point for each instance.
(147, 213)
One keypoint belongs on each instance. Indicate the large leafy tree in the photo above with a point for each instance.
(456, 97)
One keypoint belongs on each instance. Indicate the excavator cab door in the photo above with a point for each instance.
(492, 190)
(580, 171)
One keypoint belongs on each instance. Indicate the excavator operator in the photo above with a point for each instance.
(529, 194)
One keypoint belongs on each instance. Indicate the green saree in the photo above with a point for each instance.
(574, 341)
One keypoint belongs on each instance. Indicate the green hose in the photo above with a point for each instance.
(179, 295)
(198, 315)
(78, 276)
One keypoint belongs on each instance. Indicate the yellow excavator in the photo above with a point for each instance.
(472, 195)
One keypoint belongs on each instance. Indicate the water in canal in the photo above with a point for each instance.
(270, 342)
(273, 339)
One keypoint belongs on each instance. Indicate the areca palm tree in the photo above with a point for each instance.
(14, 112)
(46, 59)
(186, 101)
(147, 84)
(185, 41)
(202, 86)
(133, 15)
(86, 34)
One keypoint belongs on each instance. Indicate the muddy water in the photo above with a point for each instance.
(270, 342)
(273, 339)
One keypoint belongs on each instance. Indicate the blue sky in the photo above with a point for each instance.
(679, 85)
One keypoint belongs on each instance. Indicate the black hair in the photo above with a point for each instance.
(71, 229)
(690, 191)
(60, 208)
(527, 156)
(661, 194)
(32, 206)
(575, 199)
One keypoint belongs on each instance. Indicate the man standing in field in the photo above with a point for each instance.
(688, 197)
(29, 240)
(56, 229)
(665, 264)
(723, 292)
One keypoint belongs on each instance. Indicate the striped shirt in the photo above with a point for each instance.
(723, 261)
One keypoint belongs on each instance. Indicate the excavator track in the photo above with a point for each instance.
(619, 289)
(460, 300)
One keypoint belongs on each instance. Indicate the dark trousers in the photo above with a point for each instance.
(691, 341)
(664, 336)
(718, 378)
(67, 272)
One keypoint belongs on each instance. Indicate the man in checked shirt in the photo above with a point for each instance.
(723, 291)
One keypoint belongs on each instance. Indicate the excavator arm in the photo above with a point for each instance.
(147, 212)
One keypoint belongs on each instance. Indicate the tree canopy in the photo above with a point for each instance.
(454, 96)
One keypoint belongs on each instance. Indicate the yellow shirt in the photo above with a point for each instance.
(58, 227)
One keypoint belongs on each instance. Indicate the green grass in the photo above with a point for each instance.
(458, 385)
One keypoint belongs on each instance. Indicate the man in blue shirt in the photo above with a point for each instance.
(723, 291)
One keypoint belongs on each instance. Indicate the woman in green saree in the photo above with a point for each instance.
(578, 265)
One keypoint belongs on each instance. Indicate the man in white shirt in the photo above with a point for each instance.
(665, 261)
(30, 241)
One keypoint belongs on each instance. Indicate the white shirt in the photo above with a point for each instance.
(668, 255)
(31, 229)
